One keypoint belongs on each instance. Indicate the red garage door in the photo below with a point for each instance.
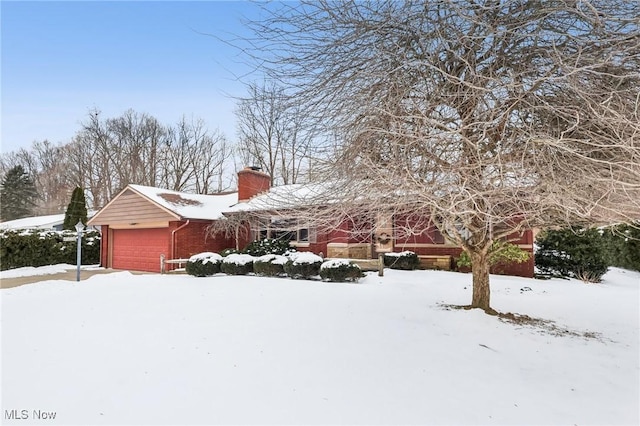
(139, 249)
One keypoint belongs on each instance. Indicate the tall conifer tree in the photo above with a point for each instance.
(17, 194)
(76, 211)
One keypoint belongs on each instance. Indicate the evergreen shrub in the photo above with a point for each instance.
(268, 246)
(303, 265)
(406, 260)
(237, 264)
(270, 265)
(19, 248)
(76, 210)
(204, 264)
(572, 252)
(226, 252)
(622, 246)
(340, 270)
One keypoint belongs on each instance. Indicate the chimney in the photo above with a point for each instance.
(252, 181)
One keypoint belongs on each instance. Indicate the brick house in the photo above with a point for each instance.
(142, 223)
(379, 235)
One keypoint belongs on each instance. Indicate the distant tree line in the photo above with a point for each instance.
(106, 154)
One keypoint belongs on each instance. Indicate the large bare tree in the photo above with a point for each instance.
(487, 116)
(194, 158)
(274, 132)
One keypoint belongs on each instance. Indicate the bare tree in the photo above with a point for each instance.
(52, 177)
(176, 171)
(208, 160)
(194, 158)
(92, 148)
(47, 166)
(273, 132)
(135, 140)
(89, 169)
(487, 117)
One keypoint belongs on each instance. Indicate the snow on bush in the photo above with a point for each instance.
(270, 265)
(204, 264)
(303, 265)
(302, 257)
(406, 260)
(206, 257)
(237, 264)
(273, 258)
(340, 270)
(238, 259)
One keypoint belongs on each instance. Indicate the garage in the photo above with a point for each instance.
(132, 255)
(142, 223)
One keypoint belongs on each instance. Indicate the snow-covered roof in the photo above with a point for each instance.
(35, 222)
(189, 206)
(284, 197)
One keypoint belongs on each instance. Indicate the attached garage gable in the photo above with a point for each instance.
(142, 223)
(130, 254)
(129, 209)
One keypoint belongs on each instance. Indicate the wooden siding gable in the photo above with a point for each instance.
(130, 207)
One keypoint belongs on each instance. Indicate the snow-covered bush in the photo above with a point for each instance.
(268, 246)
(38, 247)
(237, 264)
(270, 265)
(406, 260)
(303, 265)
(340, 270)
(204, 264)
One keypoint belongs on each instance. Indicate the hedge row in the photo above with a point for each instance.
(294, 265)
(19, 248)
(587, 253)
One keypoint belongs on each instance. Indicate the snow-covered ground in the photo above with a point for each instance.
(151, 349)
(31, 271)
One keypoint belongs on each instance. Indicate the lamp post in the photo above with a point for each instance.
(79, 228)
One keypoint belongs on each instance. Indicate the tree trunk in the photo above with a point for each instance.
(481, 291)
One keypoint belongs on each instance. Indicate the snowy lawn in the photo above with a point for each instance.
(30, 271)
(152, 349)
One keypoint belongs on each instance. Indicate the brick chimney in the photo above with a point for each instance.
(251, 182)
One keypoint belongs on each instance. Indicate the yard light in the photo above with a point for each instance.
(79, 228)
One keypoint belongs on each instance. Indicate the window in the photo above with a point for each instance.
(284, 230)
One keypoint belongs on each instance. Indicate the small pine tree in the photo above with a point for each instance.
(572, 252)
(76, 210)
(17, 195)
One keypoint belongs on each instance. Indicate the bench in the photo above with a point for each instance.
(163, 262)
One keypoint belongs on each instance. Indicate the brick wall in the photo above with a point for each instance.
(194, 239)
(252, 182)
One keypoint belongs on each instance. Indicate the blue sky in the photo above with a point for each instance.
(61, 59)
